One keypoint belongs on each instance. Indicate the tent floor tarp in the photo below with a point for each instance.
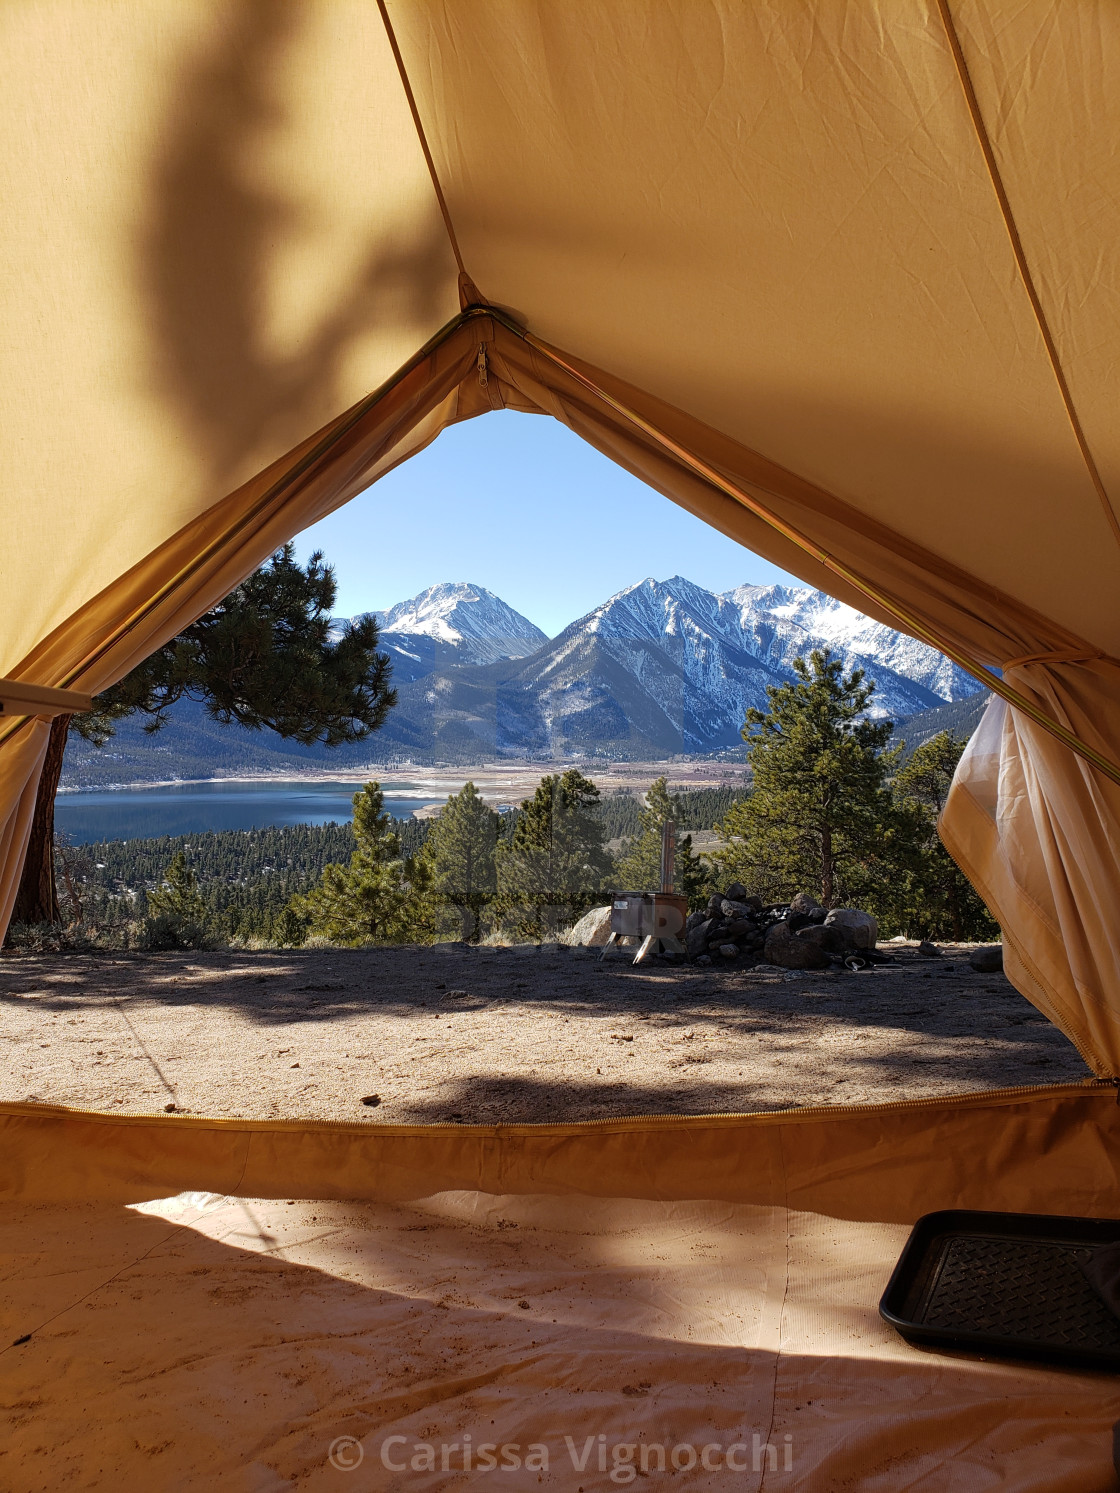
(688, 1284)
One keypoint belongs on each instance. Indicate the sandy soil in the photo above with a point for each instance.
(513, 1034)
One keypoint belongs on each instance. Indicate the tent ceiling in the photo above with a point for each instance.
(776, 217)
(779, 218)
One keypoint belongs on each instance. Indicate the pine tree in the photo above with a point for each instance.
(820, 817)
(176, 916)
(460, 856)
(268, 656)
(639, 866)
(555, 867)
(289, 929)
(178, 895)
(930, 896)
(373, 899)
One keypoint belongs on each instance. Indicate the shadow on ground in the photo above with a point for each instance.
(527, 1034)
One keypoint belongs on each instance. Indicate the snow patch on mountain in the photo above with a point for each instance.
(799, 614)
(475, 622)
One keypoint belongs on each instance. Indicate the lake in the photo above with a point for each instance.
(191, 808)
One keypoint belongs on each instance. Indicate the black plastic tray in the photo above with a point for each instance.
(1004, 1284)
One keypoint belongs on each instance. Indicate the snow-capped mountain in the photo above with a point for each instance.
(451, 624)
(663, 666)
(479, 626)
(798, 613)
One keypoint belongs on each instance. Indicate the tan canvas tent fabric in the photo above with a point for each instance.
(698, 1283)
(841, 278)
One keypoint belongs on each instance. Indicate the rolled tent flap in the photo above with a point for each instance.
(21, 760)
(1037, 832)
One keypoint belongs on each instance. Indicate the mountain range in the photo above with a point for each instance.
(662, 669)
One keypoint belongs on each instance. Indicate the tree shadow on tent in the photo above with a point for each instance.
(225, 244)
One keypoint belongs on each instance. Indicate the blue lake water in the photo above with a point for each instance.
(191, 808)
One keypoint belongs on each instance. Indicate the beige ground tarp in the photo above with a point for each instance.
(694, 1283)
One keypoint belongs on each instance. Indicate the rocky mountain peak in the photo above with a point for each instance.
(459, 612)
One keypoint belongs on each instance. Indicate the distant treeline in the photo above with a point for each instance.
(961, 717)
(247, 877)
(699, 808)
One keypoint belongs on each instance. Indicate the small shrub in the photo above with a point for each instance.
(50, 938)
(167, 931)
(290, 930)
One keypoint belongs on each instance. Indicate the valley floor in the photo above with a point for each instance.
(503, 1034)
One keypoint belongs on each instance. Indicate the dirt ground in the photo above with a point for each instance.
(503, 1034)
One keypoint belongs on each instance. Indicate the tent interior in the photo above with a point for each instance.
(843, 280)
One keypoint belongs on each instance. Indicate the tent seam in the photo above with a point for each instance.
(422, 137)
(1017, 249)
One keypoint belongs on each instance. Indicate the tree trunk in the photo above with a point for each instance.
(37, 898)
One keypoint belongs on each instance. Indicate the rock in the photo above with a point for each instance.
(736, 892)
(739, 928)
(930, 950)
(831, 940)
(803, 903)
(860, 928)
(592, 930)
(729, 950)
(704, 959)
(371, 1100)
(817, 914)
(987, 961)
(788, 952)
(714, 904)
(796, 920)
(736, 909)
(694, 920)
(697, 939)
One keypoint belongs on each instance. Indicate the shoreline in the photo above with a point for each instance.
(611, 775)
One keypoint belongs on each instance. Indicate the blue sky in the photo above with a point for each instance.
(520, 505)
